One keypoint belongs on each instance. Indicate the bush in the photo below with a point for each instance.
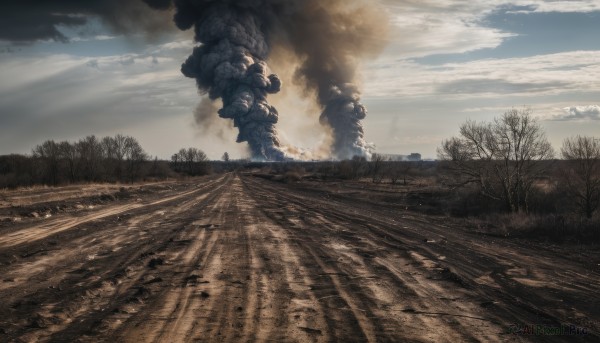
(292, 176)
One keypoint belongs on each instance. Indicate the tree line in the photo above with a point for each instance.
(119, 158)
(190, 161)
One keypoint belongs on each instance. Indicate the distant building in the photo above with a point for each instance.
(414, 157)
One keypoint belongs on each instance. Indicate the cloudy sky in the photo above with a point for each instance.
(447, 61)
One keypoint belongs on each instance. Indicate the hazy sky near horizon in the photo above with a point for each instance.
(447, 61)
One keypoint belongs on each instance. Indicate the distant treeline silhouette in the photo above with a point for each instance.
(110, 159)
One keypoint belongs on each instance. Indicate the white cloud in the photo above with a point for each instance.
(440, 27)
(185, 44)
(59, 96)
(590, 112)
(580, 6)
(428, 27)
(547, 75)
(94, 38)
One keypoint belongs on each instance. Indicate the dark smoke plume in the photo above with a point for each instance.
(230, 65)
(329, 37)
(343, 112)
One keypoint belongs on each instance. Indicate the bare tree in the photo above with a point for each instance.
(89, 159)
(49, 154)
(583, 174)
(70, 154)
(397, 170)
(110, 163)
(190, 158)
(135, 158)
(357, 166)
(91, 152)
(199, 159)
(115, 148)
(108, 147)
(192, 161)
(503, 157)
(376, 168)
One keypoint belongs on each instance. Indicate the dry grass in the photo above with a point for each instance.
(563, 228)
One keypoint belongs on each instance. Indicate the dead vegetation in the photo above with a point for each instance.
(434, 188)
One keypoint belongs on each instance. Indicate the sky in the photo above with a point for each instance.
(447, 61)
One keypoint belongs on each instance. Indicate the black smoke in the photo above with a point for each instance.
(329, 38)
(230, 64)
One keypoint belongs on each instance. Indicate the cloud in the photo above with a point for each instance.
(541, 75)
(128, 60)
(431, 27)
(590, 112)
(93, 38)
(440, 27)
(61, 96)
(34, 20)
(497, 87)
(572, 6)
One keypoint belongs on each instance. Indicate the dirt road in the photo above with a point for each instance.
(235, 258)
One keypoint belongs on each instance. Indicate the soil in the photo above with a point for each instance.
(238, 258)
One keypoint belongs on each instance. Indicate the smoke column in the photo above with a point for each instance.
(328, 37)
(331, 38)
(343, 113)
(230, 65)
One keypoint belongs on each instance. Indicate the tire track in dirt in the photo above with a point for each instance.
(90, 286)
(260, 287)
(248, 260)
(381, 294)
(39, 232)
(173, 309)
(151, 276)
(474, 310)
(347, 315)
(107, 237)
